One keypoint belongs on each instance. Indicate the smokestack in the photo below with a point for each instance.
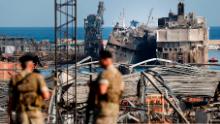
(181, 8)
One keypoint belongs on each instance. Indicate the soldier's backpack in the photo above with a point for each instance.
(28, 97)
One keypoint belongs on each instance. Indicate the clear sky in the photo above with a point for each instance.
(39, 13)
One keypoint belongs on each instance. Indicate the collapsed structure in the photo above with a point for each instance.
(158, 94)
(93, 32)
(11, 45)
(183, 88)
(182, 38)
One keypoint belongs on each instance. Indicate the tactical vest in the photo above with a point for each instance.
(27, 93)
(114, 91)
(108, 104)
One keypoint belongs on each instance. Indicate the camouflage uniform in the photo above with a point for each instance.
(107, 105)
(25, 92)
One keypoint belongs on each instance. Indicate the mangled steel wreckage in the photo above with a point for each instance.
(164, 92)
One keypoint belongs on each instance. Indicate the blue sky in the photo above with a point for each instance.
(39, 13)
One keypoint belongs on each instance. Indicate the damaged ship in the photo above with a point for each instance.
(132, 44)
(178, 37)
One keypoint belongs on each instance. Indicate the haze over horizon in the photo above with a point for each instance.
(40, 13)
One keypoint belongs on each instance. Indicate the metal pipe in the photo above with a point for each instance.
(75, 39)
(55, 57)
(151, 60)
(90, 70)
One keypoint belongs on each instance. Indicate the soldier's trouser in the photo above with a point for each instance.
(107, 120)
(30, 118)
(107, 115)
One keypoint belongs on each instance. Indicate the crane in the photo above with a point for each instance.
(150, 14)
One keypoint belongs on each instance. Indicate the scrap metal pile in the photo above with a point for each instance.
(183, 90)
(160, 93)
(3, 102)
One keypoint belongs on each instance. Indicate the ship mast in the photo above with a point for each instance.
(122, 19)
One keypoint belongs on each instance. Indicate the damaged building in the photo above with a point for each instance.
(182, 38)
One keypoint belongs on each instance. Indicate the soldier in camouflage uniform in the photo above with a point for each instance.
(26, 93)
(106, 91)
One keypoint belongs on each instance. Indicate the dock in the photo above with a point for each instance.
(214, 42)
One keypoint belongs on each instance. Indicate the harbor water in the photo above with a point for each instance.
(215, 54)
(47, 33)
